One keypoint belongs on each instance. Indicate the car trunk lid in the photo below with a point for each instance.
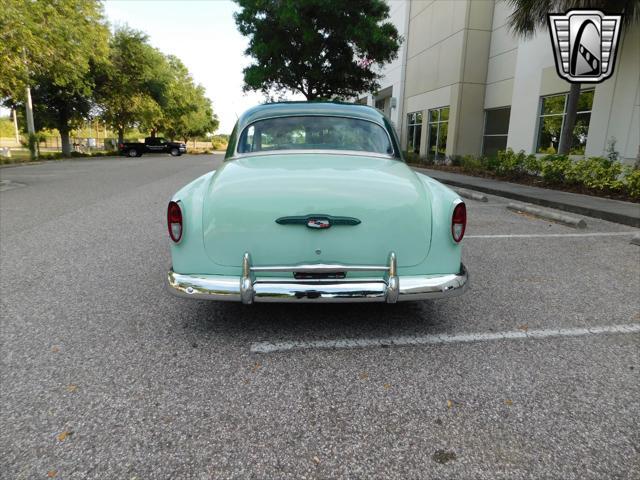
(374, 205)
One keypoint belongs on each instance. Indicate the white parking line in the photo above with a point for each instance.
(408, 341)
(555, 235)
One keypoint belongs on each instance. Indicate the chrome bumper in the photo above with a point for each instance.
(248, 288)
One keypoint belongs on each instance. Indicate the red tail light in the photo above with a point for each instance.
(121, 146)
(174, 221)
(459, 222)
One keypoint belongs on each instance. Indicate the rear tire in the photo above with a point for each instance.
(132, 152)
(174, 152)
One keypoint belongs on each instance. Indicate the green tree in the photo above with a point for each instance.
(320, 48)
(186, 111)
(51, 46)
(62, 108)
(131, 85)
(56, 38)
(530, 15)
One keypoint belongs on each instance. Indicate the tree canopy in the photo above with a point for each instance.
(56, 39)
(321, 48)
(78, 70)
(139, 86)
(130, 84)
(530, 15)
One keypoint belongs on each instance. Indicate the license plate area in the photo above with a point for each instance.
(319, 276)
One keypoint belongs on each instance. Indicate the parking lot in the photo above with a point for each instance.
(533, 373)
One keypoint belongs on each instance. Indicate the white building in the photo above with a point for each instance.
(463, 84)
(389, 97)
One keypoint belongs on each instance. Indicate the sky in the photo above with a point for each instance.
(203, 34)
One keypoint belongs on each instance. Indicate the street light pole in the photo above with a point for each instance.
(31, 129)
(15, 124)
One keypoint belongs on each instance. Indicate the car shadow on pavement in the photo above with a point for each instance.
(283, 322)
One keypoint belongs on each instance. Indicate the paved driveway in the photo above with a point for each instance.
(534, 373)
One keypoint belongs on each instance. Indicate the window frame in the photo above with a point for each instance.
(539, 116)
(484, 125)
(439, 121)
(394, 146)
(413, 125)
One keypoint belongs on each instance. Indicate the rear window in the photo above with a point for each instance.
(315, 132)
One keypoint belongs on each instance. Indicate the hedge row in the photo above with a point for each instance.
(596, 173)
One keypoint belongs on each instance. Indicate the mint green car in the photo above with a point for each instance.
(314, 203)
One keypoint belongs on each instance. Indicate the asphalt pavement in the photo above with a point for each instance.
(104, 374)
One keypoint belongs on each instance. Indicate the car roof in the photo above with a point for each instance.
(288, 109)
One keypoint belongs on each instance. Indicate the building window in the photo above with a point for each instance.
(552, 112)
(496, 129)
(414, 131)
(437, 131)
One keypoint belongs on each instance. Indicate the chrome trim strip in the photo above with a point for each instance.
(304, 220)
(321, 268)
(230, 288)
(356, 153)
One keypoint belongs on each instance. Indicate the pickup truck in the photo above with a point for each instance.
(152, 145)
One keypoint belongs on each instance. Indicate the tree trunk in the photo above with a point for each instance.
(153, 132)
(64, 139)
(569, 120)
(120, 135)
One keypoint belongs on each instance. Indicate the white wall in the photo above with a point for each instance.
(393, 73)
(503, 53)
(616, 104)
(533, 56)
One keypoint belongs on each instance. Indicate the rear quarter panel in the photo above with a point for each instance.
(444, 254)
(189, 256)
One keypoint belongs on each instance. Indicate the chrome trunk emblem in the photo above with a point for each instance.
(318, 221)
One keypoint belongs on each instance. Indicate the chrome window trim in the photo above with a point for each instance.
(237, 154)
(358, 153)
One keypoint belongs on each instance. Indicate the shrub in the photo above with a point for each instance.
(596, 172)
(455, 160)
(472, 164)
(631, 182)
(490, 163)
(554, 168)
(612, 153)
(510, 164)
(532, 165)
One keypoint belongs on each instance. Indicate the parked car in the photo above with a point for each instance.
(314, 203)
(152, 145)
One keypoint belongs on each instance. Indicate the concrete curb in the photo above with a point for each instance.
(472, 195)
(636, 239)
(556, 217)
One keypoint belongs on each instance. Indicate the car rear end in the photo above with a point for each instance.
(316, 225)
